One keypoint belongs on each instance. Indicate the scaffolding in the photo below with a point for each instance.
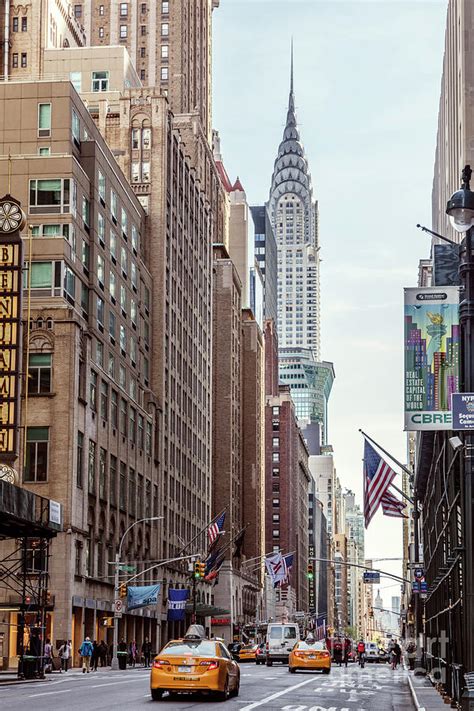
(26, 531)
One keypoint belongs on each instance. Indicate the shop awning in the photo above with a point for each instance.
(204, 610)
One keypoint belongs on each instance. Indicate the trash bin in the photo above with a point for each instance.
(122, 659)
(27, 666)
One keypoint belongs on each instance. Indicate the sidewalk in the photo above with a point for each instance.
(425, 696)
(9, 677)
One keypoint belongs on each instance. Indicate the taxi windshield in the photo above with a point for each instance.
(198, 648)
(311, 645)
(249, 646)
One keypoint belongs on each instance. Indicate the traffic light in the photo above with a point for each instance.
(202, 569)
(197, 569)
(310, 571)
(123, 590)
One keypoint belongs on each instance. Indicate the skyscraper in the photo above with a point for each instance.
(294, 216)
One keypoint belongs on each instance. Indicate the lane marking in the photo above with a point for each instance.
(49, 693)
(278, 694)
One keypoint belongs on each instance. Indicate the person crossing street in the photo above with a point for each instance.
(85, 652)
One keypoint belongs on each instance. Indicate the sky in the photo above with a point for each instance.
(367, 83)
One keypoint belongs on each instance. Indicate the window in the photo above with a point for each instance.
(165, 51)
(24, 24)
(275, 410)
(165, 7)
(86, 211)
(85, 300)
(134, 275)
(80, 460)
(15, 63)
(275, 441)
(100, 81)
(145, 172)
(99, 353)
(143, 8)
(39, 373)
(114, 409)
(69, 285)
(123, 486)
(102, 185)
(113, 246)
(77, 11)
(164, 73)
(123, 261)
(76, 127)
(134, 238)
(276, 533)
(44, 119)
(135, 172)
(146, 138)
(93, 390)
(91, 466)
(15, 24)
(41, 275)
(102, 472)
(132, 425)
(112, 285)
(122, 376)
(143, 30)
(142, 74)
(50, 196)
(111, 366)
(104, 400)
(142, 52)
(123, 31)
(112, 326)
(133, 350)
(123, 299)
(113, 205)
(148, 439)
(165, 29)
(37, 445)
(101, 228)
(133, 311)
(275, 471)
(124, 222)
(24, 61)
(135, 138)
(141, 431)
(123, 339)
(123, 417)
(100, 313)
(100, 270)
(101, 33)
(113, 480)
(123, 9)
(131, 491)
(44, 151)
(275, 457)
(101, 10)
(85, 256)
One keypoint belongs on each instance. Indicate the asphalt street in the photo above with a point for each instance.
(353, 689)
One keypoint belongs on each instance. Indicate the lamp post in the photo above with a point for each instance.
(460, 209)
(118, 555)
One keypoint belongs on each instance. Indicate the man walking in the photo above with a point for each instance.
(146, 652)
(64, 655)
(85, 652)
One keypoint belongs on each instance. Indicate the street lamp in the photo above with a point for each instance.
(460, 209)
(118, 555)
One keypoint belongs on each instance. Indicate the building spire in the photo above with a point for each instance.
(291, 81)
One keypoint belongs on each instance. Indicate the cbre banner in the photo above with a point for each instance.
(432, 343)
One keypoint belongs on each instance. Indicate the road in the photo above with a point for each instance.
(352, 689)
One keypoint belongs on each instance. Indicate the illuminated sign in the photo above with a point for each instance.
(11, 221)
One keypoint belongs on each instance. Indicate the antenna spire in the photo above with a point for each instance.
(291, 80)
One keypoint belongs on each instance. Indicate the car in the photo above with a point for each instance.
(281, 638)
(310, 654)
(195, 664)
(261, 655)
(371, 652)
(234, 648)
(248, 653)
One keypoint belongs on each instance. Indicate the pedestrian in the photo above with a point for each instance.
(347, 649)
(411, 654)
(85, 652)
(133, 653)
(398, 653)
(146, 652)
(64, 655)
(48, 656)
(103, 653)
(95, 656)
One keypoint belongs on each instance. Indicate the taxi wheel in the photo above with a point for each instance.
(157, 694)
(236, 690)
(269, 663)
(292, 670)
(326, 671)
(224, 695)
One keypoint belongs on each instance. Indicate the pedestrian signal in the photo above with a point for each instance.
(123, 590)
(310, 571)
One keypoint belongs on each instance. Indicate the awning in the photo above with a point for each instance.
(23, 513)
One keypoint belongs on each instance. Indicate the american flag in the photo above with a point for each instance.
(378, 476)
(391, 506)
(215, 528)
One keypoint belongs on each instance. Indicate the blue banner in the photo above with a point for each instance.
(177, 604)
(142, 596)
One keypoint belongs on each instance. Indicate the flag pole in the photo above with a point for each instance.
(203, 530)
(390, 456)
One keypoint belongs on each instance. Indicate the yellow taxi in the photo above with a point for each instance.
(195, 664)
(310, 654)
(248, 653)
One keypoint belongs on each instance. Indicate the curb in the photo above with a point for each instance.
(13, 682)
(414, 696)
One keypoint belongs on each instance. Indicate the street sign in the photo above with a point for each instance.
(371, 578)
(118, 608)
(419, 573)
(463, 411)
(128, 568)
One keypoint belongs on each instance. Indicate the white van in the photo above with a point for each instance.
(281, 638)
(371, 652)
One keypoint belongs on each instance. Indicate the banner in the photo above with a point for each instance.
(142, 596)
(276, 568)
(432, 341)
(177, 604)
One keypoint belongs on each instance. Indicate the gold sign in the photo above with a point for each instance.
(11, 263)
